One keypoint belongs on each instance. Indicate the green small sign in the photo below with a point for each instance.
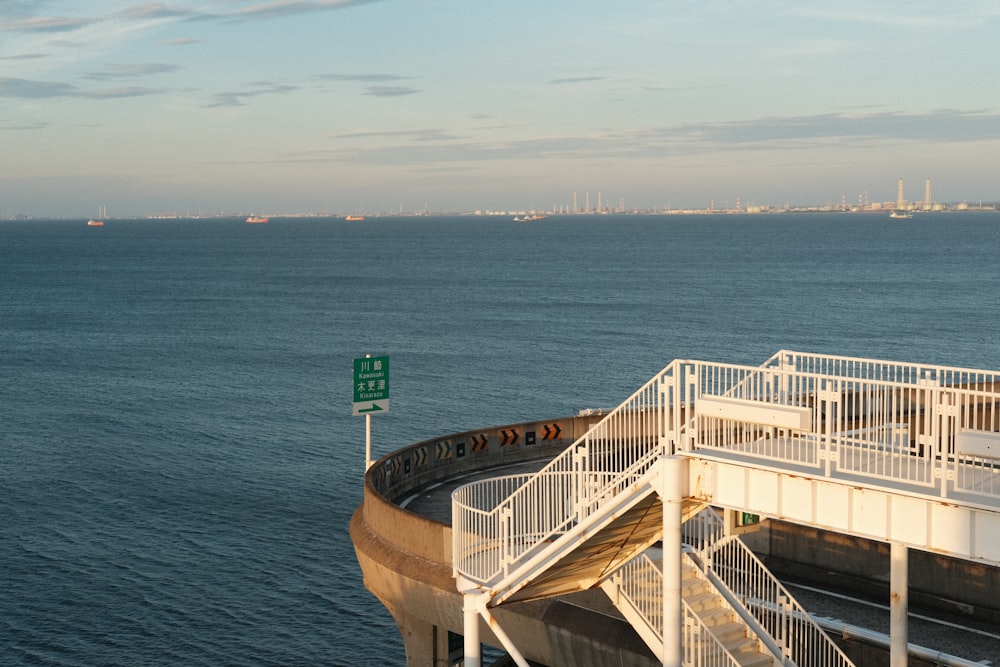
(371, 385)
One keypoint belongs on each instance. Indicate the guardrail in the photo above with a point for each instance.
(932, 427)
(637, 586)
(491, 530)
(736, 570)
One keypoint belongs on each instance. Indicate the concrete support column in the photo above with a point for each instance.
(425, 643)
(898, 605)
(672, 495)
(470, 628)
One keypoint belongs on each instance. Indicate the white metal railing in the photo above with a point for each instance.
(762, 412)
(935, 427)
(932, 427)
(497, 523)
(701, 647)
(731, 565)
(879, 369)
(638, 587)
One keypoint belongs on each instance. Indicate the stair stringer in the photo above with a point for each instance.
(714, 632)
(539, 562)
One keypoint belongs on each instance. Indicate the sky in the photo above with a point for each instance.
(332, 106)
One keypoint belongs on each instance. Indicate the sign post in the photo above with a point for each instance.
(371, 394)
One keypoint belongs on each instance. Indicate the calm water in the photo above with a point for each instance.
(179, 463)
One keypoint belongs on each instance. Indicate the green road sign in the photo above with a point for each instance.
(371, 385)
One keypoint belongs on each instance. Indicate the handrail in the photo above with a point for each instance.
(631, 586)
(746, 581)
(870, 418)
(930, 427)
(874, 369)
(491, 531)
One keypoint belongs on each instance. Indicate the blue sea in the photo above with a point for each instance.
(178, 459)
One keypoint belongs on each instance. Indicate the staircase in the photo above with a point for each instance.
(584, 520)
(715, 634)
(724, 624)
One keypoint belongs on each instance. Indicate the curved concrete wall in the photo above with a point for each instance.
(396, 475)
(406, 558)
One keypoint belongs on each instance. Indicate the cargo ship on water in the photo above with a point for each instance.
(256, 219)
(102, 213)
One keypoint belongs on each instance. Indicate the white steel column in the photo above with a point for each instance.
(473, 652)
(672, 495)
(898, 604)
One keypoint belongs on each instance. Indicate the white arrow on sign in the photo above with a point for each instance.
(370, 407)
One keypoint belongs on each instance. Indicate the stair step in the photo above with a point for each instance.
(702, 602)
(755, 660)
(719, 616)
(729, 634)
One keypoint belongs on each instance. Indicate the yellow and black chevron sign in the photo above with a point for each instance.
(420, 456)
(443, 450)
(479, 443)
(551, 431)
(509, 436)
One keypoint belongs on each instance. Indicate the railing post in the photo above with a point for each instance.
(692, 390)
(506, 546)
(580, 495)
(785, 625)
(929, 399)
(830, 399)
(666, 413)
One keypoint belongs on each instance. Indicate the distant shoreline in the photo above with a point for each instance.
(985, 208)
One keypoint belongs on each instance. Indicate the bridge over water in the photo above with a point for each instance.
(647, 503)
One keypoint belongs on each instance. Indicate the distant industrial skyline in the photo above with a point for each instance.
(384, 105)
(582, 203)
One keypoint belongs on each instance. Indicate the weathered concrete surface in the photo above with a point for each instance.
(861, 565)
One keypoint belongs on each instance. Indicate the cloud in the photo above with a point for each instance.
(125, 91)
(180, 41)
(940, 125)
(281, 8)
(376, 90)
(428, 147)
(577, 79)
(28, 89)
(26, 56)
(390, 91)
(25, 125)
(430, 134)
(367, 78)
(47, 24)
(133, 70)
(235, 98)
(155, 10)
